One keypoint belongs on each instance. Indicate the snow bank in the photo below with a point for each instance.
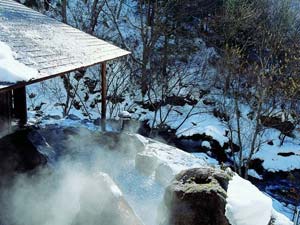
(246, 205)
(177, 159)
(12, 70)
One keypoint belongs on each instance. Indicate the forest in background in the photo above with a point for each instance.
(241, 56)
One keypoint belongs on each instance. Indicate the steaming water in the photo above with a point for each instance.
(142, 193)
(50, 196)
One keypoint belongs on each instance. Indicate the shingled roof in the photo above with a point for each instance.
(47, 45)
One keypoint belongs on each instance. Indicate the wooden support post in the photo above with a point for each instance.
(104, 90)
(5, 110)
(20, 105)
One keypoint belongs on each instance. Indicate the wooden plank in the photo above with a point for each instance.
(52, 66)
(20, 105)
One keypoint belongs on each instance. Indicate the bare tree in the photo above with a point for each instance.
(64, 11)
(255, 72)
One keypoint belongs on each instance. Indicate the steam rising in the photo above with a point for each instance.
(57, 194)
(44, 198)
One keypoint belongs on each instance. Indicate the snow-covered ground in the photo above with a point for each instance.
(270, 154)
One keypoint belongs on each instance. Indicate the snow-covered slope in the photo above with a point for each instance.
(278, 157)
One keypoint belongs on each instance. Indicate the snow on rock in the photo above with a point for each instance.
(164, 174)
(146, 163)
(165, 161)
(12, 70)
(142, 139)
(246, 205)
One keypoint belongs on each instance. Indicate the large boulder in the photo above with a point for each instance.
(196, 197)
(124, 142)
(18, 153)
(164, 174)
(102, 203)
(71, 140)
(164, 161)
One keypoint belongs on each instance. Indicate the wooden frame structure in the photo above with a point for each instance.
(52, 48)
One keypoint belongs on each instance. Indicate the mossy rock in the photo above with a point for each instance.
(197, 197)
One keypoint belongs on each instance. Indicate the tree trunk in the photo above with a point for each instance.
(64, 11)
(94, 16)
(237, 114)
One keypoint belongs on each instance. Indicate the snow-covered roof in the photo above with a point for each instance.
(45, 45)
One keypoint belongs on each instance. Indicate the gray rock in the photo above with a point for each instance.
(102, 203)
(42, 146)
(196, 197)
(164, 174)
(72, 117)
(18, 153)
(123, 142)
(54, 117)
